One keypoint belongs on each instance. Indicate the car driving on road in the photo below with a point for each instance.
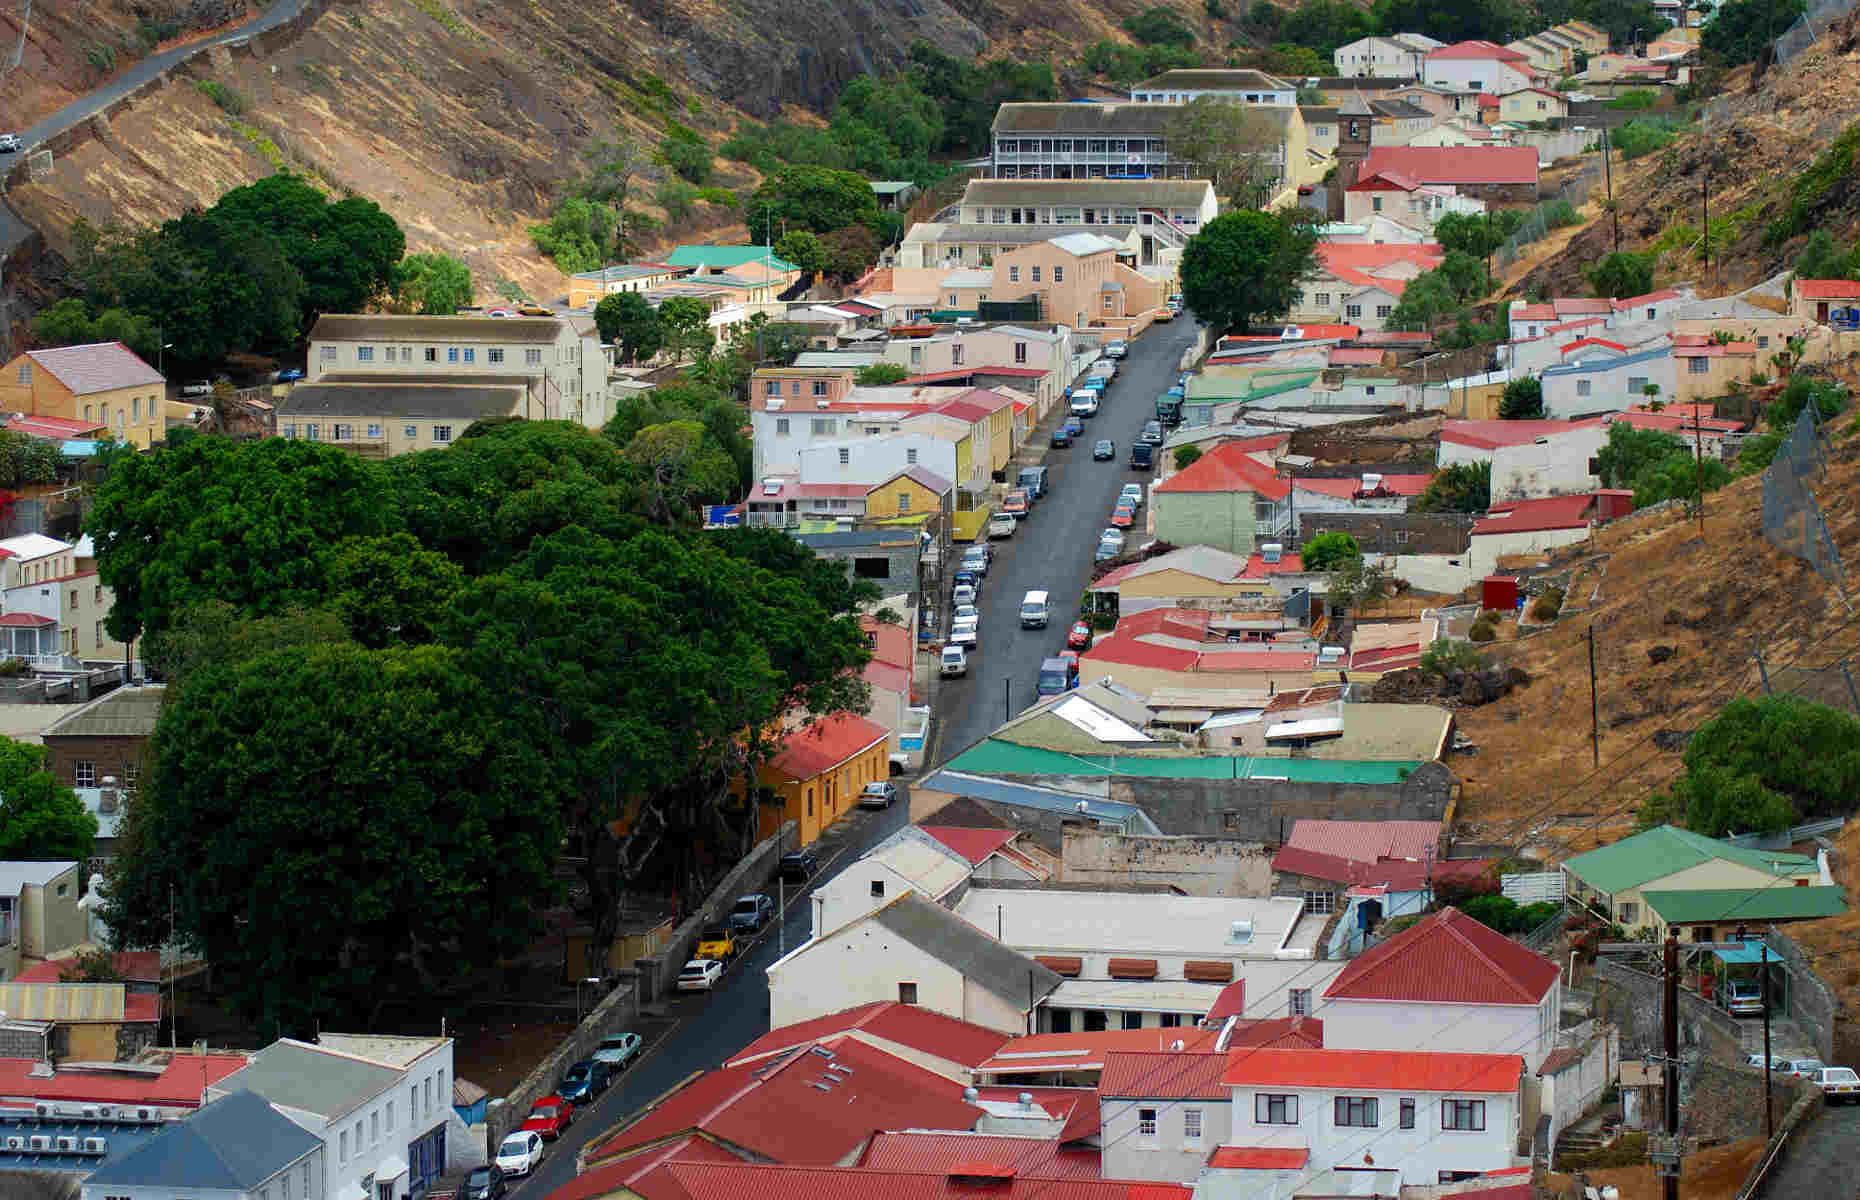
(1103, 450)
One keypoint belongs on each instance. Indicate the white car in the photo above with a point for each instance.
(1134, 491)
(619, 1050)
(1115, 348)
(1002, 525)
(520, 1153)
(1112, 536)
(955, 662)
(700, 975)
(967, 612)
(1837, 1084)
(967, 634)
(878, 795)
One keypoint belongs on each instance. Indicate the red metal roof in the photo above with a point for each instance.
(1259, 1158)
(643, 1171)
(890, 643)
(1086, 1050)
(906, 1024)
(1490, 435)
(1230, 1003)
(1341, 356)
(1533, 516)
(1457, 164)
(22, 620)
(966, 372)
(1227, 468)
(1374, 1070)
(1290, 563)
(1477, 51)
(1827, 289)
(1131, 652)
(763, 1181)
(972, 844)
(1032, 1157)
(1447, 959)
(1164, 1075)
(1366, 841)
(1190, 623)
(1252, 658)
(1401, 875)
(1594, 341)
(1359, 263)
(1643, 301)
(825, 744)
(1349, 485)
(140, 966)
(53, 427)
(179, 1084)
(889, 676)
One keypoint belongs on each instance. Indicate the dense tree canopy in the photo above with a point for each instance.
(1247, 266)
(1234, 146)
(1523, 400)
(1330, 551)
(1622, 274)
(629, 320)
(1737, 782)
(1462, 487)
(432, 283)
(1739, 30)
(40, 818)
(819, 199)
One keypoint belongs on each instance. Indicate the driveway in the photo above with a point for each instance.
(13, 230)
(1052, 550)
(711, 1028)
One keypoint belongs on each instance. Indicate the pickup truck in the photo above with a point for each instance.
(717, 942)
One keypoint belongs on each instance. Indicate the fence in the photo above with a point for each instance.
(1537, 225)
(1810, 26)
(1532, 887)
(1792, 521)
(1788, 837)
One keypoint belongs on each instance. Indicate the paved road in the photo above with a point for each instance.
(1819, 1159)
(1053, 549)
(13, 230)
(711, 1028)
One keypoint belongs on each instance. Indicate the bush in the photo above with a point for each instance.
(880, 374)
(225, 97)
(688, 155)
(1446, 656)
(13, 666)
(721, 197)
(1186, 457)
(1547, 606)
(1560, 213)
(1483, 630)
(1643, 135)
(1635, 98)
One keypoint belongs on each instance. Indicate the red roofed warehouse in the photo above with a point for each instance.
(1530, 526)
(1479, 67)
(1226, 500)
(1495, 174)
(819, 770)
(1818, 299)
(101, 385)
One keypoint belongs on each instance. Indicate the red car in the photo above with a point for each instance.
(1124, 517)
(1071, 658)
(1079, 638)
(549, 1116)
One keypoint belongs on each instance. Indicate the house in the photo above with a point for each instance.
(1077, 1059)
(1532, 526)
(591, 287)
(143, 1092)
(1146, 666)
(1226, 499)
(381, 420)
(91, 1022)
(100, 749)
(1394, 195)
(1392, 57)
(1716, 914)
(39, 915)
(1498, 175)
(241, 1147)
(894, 195)
(1361, 284)
(1533, 104)
(104, 382)
(888, 673)
(1369, 491)
(1479, 66)
(1447, 983)
(817, 773)
(1050, 140)
(1370, 871)
(1554, 463)
(1713, 367)
(1198, 575)
(995, 215)
(381, 1106)
(948, 1047)
(758, 264)
(1607, 381)
(1078, 280)
(914, 951)
(1242, 86)
(1614, 880)
(909, 860)
(1547, 56)
(53, 608)
(558, 360)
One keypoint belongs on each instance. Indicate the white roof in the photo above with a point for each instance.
(932, 868)
(1069, 922)
(16, 875)
(1081, 244)
(391, 1049)
(33, 545)
(1081, 713)
(1312, 728)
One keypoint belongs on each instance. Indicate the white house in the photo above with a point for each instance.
(1447, 984)
(1606, 381)
(913, 951)
(875, 458)
(1478, 66)
(909, 860)
(381, 1105)
(1396, 57)
(240, 1147)
(1417, 205)
(1244, 86)
(1554, 464)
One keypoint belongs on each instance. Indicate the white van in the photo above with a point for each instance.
(1084, 403)
(1034, 610)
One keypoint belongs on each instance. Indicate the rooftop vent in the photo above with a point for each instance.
(970, 1094)
(1240, 931)
(771, 487)
(1026, 1099)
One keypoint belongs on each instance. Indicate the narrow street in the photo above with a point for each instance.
(705, 1029)
(1819, 1159)
(1052, 550)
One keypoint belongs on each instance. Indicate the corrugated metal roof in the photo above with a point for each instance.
(233, 1144)
(125, 712)
(1666, 850)
(1776, 903)
(1375, 1070)
(302, 1076)
(62, 1001)
(1447, 959)
(96, 367)
(992, 756)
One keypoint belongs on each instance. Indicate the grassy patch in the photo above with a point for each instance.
(316, 74)
(262, 143)
(1806, 193)
(228, 100)
(445, 16)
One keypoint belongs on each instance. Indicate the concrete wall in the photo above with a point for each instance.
(1528, 1031)
(1400, 533)
(1630, 1000)
(1263, 810)
(1570, 1092)
(1725, 1100)
(1200, 866)
(1433, 572)
(1170, 1154)
(1812, 1004)
(657, 972)
(1558, 465)
(618, 1010)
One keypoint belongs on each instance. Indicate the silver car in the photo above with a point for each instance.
(10, 143)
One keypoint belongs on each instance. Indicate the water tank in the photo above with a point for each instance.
(1498, 592)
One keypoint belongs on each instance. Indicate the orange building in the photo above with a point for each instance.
(817, 773)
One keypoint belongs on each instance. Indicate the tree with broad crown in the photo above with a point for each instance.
(1523, 400)
(1462, 487)
(435, 284)
(1186, 457)
(849, 251)
(1622, 274)
(680, 467)
(803, 249)
(40, 818)
(1736, 781)
(1246, 266)
(1235, 146)
(1330, 551)
(820, 199)
(212, 633)
(628, 320)
(389, 590)
(880, 374)
(321, 905)
(1629, 452)
(1741, 30)
(687, 326)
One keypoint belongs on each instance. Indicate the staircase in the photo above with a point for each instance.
(1577, 1141)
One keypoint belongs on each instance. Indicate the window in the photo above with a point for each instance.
(1059, 274)
(781, 427)
(390, 1116)
(910, 456)
(1407, 1113)
(1146, 1123)
(290, 431)
(1036, 274)
(956, 353)
(374, 1127)
(907, 993)
(821, 425)
(85, 774)
(432, 354)
(1383, 310)
(1094, 1020)
(342, 1146)
(470, 354)
(1763, 340)
(1323, 299)
(1637, 385)
(917, 352)
(1697, 366)
(452, 354)
(426, 1098)
(442, 433)
(772, 388)
(1321, 903)
(410, 432)
(820, 387)
(374, 433)
(358, 1135)
(326, 353)
(413, 1103)
(1133, 1020)
(494, 355)
(1013, 274)
(1300, 1002)
(532, 358)
(1462, 1114)
(1356, 1112)
(878, 889)
(99, 639)
(1191, 1125)
(135, 410)
(1271, 1109)
(1583, 387)
(1353, 311)
(1375, 203)
(1020, 353)
(1627, 913)
(364, 354)
(1169, 1020)
(845, 455)
(388, 353)
(342, 433)
(25, 372)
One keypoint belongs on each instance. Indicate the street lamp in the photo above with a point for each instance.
(593, 979)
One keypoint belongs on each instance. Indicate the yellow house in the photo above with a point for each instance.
(381, 420)
(910, 493)
(1193, 577)
(102, 382)
(90, 1016)
(591, 287)
(1668, 859)
(816, 776)
(1704, 368)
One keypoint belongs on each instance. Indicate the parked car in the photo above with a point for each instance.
(1002, 525)
(198, 387)
(955, 662)
(1079, 637)
(1034, 480)
(967, 634)
(969, 577)
(878, 794)
(964, 592)
(1801, 1068)
(751, 913)
(798, 866)
(1103, 450)
(1106, 552)
(1084, 403)
(1164, 314)
(1142, 456)
(290, 374)
(1113, 536)
(1123, 516)
(717, 942)
(1116, 348)
(1134, 491)
(964, 611)
(1744, 998)
(1756, 1060)
(1839, 1085)
(619, 1050)
(1017, 504)
(550, 1116)
(9, 143)
(483, 1183)
(1074, 424)
(519, 1153)
(585, 1080)
(1054, 678)
(1152, 433)
(700, 975)
(978, 558)
(1071, 659)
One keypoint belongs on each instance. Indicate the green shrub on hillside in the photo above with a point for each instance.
(1644, 135)
(1635, 98)
(223, 96)
(1832, 167)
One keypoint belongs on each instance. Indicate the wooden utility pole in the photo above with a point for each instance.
(1669, 1013)
(1698, 465)
(1769, 1109)
(1609, 172)
(1595, 721)
(1705, 216)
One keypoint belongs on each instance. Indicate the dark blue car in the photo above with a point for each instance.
(585, 1080)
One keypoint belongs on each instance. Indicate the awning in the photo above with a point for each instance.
(390, 1169)
(1061, 964)
(1750, 952)
(1208, 971)
(1133, 968)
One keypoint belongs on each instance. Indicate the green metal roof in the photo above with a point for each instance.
(1666, 850)
(1210, 387)
(1778, 903)
(996, 757)
(726, 257)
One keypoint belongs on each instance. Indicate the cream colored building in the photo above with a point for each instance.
(591, 287)
(381, 420)
(1669, 859)
(1079, 278)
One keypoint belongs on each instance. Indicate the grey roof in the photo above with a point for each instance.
(626, 271)
(299, 1075)
(1231, 80)
(1174, 192)
(125, 712)
(980, 959)
(96, 367)
(1332, 83)
(1100, 120)
(231, 1145)
(16, 875)
(1322, 114)
(1354, 106)
(853, 359)
(891, 187)
(1398, 109)
(1047, 799)
(1001, 235)
(391, 327)
(460, 403)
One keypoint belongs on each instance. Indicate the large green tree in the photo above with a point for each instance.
(687, 327)
(389, 590)
(1739, 30)
(820, 199)
(432, 283)
(628, 320)
(1330, 551)
(680, 467)
(1234, 146)
(1739, 780)
(374, 830)
(1247, 266)
(1462, 487)
(1629, 452)
(1622, 274)
(1523, 400)
(40, 818)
